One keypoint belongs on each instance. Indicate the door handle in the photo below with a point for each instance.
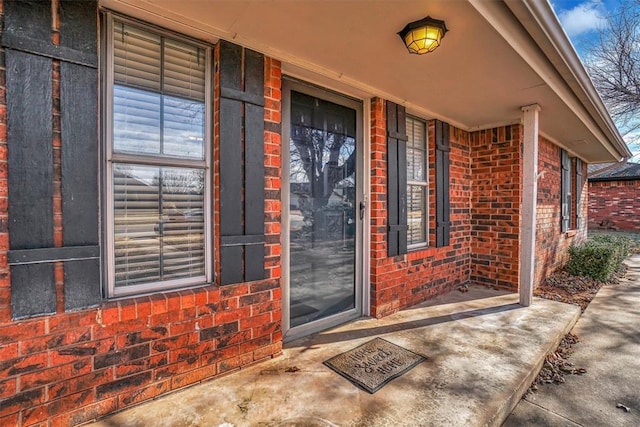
(363, 207)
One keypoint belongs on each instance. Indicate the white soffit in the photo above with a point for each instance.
(475, 80)
(539, 19)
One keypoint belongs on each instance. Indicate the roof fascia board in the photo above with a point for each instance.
(615, 178)
(508, 26)
(547, 21)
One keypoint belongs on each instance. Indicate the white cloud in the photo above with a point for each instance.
(583, 18)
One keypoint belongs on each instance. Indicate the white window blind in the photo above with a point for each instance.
(159, 206)
(159, 227)
(159, 93)
(417, 184)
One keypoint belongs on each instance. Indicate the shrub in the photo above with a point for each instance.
(599, 257)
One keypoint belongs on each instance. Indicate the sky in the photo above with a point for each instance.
(581, 20)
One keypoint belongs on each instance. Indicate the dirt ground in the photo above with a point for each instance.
(561, 286)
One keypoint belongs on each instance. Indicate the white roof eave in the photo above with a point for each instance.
(548, 21)
(532, 29)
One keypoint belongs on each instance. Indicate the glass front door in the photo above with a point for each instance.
(323, 209)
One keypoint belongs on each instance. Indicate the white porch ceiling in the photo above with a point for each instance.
(475, 80)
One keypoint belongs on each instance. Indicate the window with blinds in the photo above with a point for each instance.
(417, 182)
(158, 170)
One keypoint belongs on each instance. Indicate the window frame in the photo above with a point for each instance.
(569, 194)
(578, 189)
(110, 158)
(424, 184)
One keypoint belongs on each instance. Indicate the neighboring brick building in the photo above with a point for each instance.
(614, 197)
(184, 186)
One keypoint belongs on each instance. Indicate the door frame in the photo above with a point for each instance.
(361, 278)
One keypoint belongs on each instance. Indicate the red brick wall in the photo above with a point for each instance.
(486, 191)
(71, 367)
(551, 243)
(495, 212)
(5, 283)
(402, 281)
(616, 202)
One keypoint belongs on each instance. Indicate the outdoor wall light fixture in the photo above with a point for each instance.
(423, 36)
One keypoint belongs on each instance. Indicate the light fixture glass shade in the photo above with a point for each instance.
(423, 36)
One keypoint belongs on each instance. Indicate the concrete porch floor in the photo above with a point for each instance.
(482, 348)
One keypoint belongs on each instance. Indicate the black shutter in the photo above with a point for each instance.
(241, 164)
(79, 98)
(579, 184)
(443, 208)
(29, 133)
(396, 179)
(565, 190)
(29, 53)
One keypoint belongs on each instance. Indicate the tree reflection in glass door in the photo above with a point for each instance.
(322, 214)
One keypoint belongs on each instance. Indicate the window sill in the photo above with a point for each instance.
(570, 233)
(160, 291)
(418, 248)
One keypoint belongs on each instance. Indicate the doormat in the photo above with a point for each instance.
(374, 363)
